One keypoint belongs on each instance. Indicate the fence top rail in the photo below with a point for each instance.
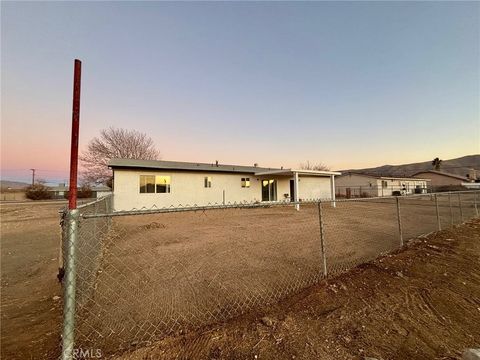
(103, 198)
(194, 207)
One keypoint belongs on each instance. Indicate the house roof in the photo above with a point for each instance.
(458, 177)
(188, 166)
(379, 177)
(290, 172)
(66, 187)
(184, 166)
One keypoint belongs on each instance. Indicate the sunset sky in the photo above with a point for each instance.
(350, 85)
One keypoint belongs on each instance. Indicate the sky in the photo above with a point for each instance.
(347, 84)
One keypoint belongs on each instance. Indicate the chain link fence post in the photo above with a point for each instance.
(450, 205)
(399, 220)
(68, 333)
(322, 238)
(460, 205)
(438, 213)
(95, 221)
(475, 202)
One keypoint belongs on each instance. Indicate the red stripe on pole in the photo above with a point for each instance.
(77, 74)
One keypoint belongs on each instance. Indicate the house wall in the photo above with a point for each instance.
(100, 194)
(439, 180)
(187, 189)
(369, 186)
(12, 195)
(399, 185)
(314, 187)
(357, 184)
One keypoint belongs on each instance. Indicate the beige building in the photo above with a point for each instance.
(440, 179)
(363, 185)
(144, 184)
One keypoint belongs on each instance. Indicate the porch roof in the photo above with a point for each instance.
(291, 172)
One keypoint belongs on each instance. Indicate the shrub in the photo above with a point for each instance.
(38, 192)
(83, 192)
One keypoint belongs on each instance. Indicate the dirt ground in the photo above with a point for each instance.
(30, 317)
(162, 273)
(421, 303)
(175, 266)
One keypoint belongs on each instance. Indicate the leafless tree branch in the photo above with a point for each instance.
(114, 143)
(311, 166)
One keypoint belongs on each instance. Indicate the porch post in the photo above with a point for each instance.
(295, 191)
(332, 189)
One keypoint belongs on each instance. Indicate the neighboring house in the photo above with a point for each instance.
(363, 185)
(441, 180)
(60, 191)
(100, 191)
(141, 184)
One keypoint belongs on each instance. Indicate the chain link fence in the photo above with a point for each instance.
(134, 277)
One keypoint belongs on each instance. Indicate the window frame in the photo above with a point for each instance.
(207, 182)
(245, 182)
(145, 183)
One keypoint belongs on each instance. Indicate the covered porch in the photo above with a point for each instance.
(296, 185)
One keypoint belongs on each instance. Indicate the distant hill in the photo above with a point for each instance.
(5, 184)
(459, 166)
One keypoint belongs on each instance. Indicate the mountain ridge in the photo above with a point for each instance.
(5, 184)
(458, 166)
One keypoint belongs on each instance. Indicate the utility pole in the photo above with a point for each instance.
(33, 176)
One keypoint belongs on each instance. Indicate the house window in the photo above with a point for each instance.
(245, 182)
(162, 184)
(147, 184)
(208, 181)
(150, 184)
(384, 184)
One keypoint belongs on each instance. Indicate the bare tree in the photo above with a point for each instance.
(310, 166)
(114, 143)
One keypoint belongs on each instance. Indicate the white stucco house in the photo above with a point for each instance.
(362, 185)
(140, 184)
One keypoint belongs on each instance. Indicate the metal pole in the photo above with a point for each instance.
(450, 205)
(68, 335)
(295, 190)
(33, 176)
(95, 222)
(322, 238)
(399, 220)
(475, 202)
(438, 213)
(332, 190)
(460, 204)
(72, 198)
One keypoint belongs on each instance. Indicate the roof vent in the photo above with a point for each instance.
(256, 165)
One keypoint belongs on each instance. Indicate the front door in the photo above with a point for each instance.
(269, 190)
(292, 190)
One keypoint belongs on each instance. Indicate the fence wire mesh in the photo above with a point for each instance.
(139, 276)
